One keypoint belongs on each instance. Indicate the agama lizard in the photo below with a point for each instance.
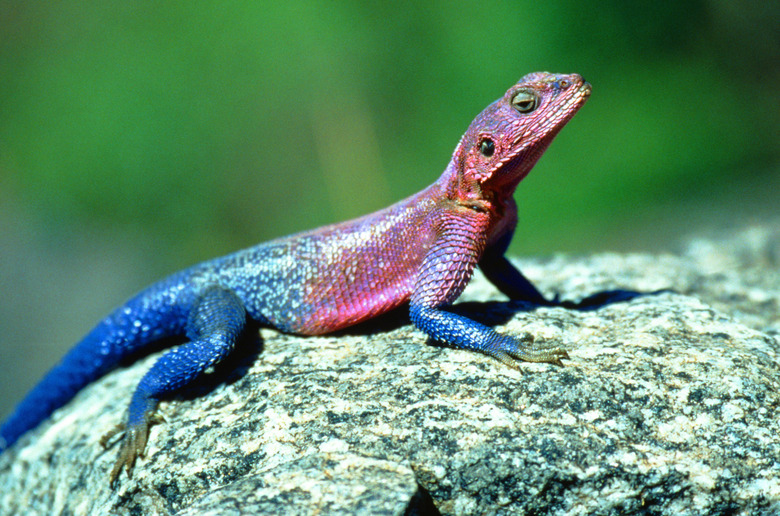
(421, 250)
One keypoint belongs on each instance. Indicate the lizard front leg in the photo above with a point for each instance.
(215, 322)
(446, 269)
(506, 277)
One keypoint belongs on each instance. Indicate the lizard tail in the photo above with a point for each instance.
(144, 319)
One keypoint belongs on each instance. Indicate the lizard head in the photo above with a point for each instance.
(505, 141)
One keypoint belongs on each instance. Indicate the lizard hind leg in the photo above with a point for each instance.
(215, 322)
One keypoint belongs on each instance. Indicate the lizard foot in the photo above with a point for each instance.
(133, 445)
(509, 350)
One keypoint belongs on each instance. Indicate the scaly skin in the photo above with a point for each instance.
(421, 250)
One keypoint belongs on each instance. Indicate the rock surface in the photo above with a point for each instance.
(668, 405)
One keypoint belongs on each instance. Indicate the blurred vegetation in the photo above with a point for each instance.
(208, 127)
(186, 130)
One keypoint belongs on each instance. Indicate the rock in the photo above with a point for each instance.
(668, 405)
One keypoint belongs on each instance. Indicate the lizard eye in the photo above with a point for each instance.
(487, 147)
(525, 101)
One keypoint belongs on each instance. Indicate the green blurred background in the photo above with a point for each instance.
(137, 138)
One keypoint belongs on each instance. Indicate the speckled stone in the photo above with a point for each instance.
(668, 405)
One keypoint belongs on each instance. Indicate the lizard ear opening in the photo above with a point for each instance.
(487, 147)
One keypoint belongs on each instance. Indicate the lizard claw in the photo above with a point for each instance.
(509, 350)
(118, 429)
(132, 447)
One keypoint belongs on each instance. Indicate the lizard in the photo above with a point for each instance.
(421, 251)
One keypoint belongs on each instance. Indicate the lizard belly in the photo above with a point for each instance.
(361, 289)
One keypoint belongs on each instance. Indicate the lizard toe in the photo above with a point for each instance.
(133, 446)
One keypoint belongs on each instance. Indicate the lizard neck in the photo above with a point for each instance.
(453, 186)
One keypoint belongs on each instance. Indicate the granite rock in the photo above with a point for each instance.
(668, 405)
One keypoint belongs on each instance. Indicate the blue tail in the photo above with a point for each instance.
(148, 317)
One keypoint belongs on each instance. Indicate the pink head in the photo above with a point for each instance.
(504, 142)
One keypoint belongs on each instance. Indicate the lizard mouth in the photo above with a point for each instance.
(586, 88)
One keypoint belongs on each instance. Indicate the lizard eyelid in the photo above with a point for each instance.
(525, 101)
